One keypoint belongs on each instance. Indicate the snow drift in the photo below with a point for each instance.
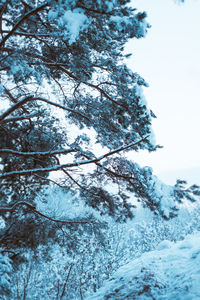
(172, 271)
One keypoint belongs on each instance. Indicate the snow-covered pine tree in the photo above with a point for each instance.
(66, 96)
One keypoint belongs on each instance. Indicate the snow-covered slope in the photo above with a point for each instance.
(172, 271)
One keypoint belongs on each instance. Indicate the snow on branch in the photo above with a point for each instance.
(34, 210)
(31, 98)
(122, 148)
(19, 118)
(28, 34)
(69, 165)
(4, 152)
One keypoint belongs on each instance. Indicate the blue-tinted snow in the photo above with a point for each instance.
(172, 271)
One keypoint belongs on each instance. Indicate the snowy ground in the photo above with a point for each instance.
(172, 271)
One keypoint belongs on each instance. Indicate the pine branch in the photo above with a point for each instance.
(69, 165)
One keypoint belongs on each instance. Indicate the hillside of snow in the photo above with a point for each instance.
(172, 271)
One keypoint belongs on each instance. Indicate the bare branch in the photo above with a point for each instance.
(69, 165)
(50, 180)
(4, 152)
(31, 98)
(87, 83)
(19, 118)
(13, 99)
(122, 148)
(12, 208)
(66, 280)
(9, 50)
(104, 93)
(34, 210)
(29, 34)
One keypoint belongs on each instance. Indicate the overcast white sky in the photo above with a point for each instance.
(169, 60)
